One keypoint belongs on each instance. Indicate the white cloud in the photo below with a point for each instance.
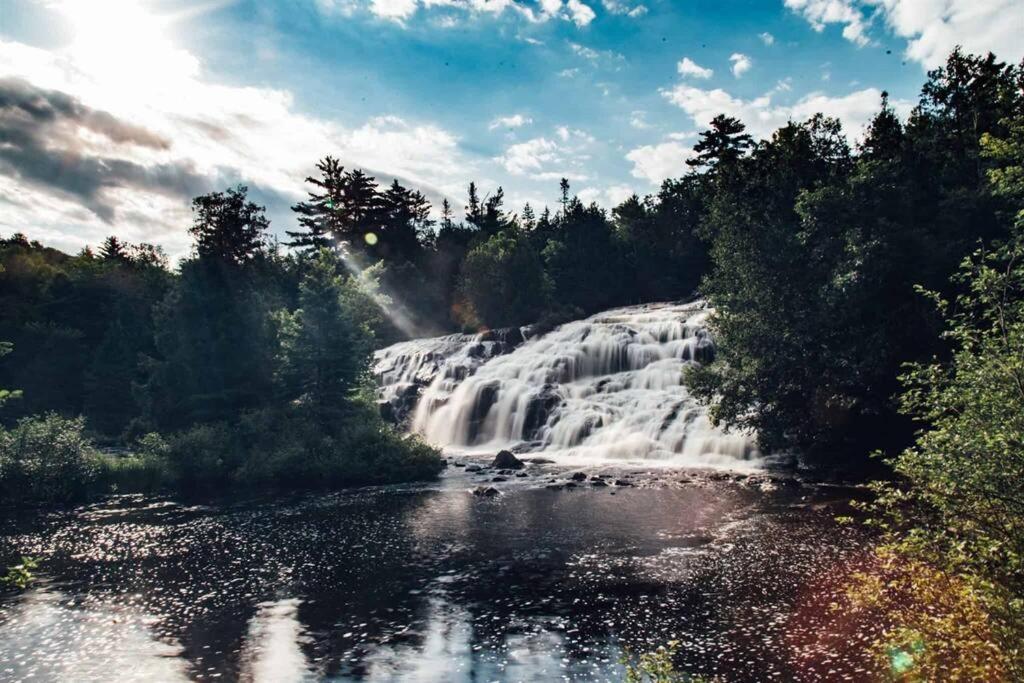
(767, 38)
(688, 67)
(624, 8)
(608, 197)
(514, 121)
(762, 117)
(215, 134)
(592, 55)
(932, 28)
(544, 158)
(569, 73)
(655, 163)
(400, 11)
(823, 12)
(580, 13)
(638, 120)
(740, 64)
(396, 10)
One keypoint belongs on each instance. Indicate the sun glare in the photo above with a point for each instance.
(125, 42)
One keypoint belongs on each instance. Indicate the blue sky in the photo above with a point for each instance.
(147, 103)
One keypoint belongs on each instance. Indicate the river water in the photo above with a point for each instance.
(433, 583)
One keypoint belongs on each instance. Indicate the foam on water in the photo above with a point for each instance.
(607, 388)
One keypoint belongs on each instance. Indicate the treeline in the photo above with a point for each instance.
(243, 366)
(495, 268)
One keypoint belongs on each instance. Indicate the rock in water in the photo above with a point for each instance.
(506, 461)
(486, 491)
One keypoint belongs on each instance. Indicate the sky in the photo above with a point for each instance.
(115, 113)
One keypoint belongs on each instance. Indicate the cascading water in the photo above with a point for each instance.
(609, 387)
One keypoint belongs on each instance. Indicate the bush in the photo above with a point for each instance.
(291, 449)
(145, 470)
(47, 459)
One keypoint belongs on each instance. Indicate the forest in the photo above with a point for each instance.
(869, 315)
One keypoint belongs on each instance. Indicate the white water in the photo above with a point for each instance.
(607, 388)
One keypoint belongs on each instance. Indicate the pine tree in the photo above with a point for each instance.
(321, 215)
(227, 227)
(723, 143)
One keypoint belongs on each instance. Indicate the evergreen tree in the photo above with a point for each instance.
(323, 348)
(227, 227)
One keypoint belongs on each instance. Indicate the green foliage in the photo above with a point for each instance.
(952, 559)
(46, 459)
(503, 280)
(816, 251)
(658, 667)
(20, 575)
(324, 349)
(291, 449)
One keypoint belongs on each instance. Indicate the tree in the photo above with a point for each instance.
(227, 227)
(503, 280)
(320, 216)
(723, 143)
(324, 350)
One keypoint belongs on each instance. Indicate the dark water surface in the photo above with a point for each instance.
(432, 584)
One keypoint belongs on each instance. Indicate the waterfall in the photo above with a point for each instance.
(606, 388)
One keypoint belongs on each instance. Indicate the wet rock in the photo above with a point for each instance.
(506, 461)
(579, 476)
(496, 479)
(598, 482)
(521, 474)
(623, 482)
(539, 461)
(474, 468)
(554, 487)
(486, 491)
(458, 464)
(571, 484)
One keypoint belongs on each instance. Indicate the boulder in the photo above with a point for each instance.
(578, 476)
(623, 482)
(496, 479)
(486, 491)
(473, 468)
(598, 482)
(506, 461)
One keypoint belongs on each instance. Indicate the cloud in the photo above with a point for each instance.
(112, 144)
(767, 38)
(688, 67)
(932, 28)
(569, 73)
(608, 197)
(740, 64)
(638, 120)
(624, 8)
(655, 163)
(820, 13)
(595, 56)
(762, 116)
(514, 121)
(580, 13)
(549, 158)
(399, 11)
(51, 141)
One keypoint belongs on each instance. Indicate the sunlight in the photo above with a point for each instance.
(123, 42)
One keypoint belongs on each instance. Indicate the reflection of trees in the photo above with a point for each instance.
(445, 586)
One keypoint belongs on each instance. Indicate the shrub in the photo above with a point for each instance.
(47, 459)
(145, 470)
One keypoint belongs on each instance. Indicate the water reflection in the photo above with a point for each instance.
(417, 585)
